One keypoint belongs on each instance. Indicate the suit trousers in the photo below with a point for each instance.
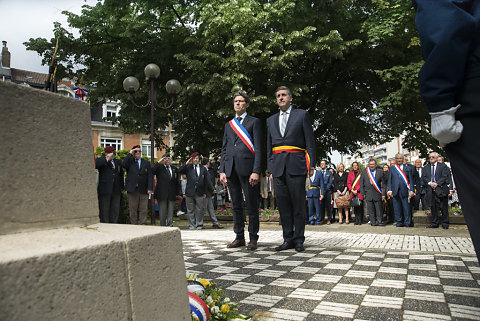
(195, 211)
(165, 209)
(138, 206)
(210, 210)
(439, 203)
(358, 211)
(109, 206)
(401, 209)
(290, 195)
(314, 210)
(269, 202)
(239, 187)
(375, 212)
(420, 199)
(326, 204)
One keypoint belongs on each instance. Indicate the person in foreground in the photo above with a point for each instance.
(450, 85)
(240, 168)
(290, 158)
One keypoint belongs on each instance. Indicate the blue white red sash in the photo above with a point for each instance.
(371, 176)
(403, 176)
(242, 133)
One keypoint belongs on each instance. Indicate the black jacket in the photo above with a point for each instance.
(110, 180)
(197, 185)
(167, 187)
(138, 177)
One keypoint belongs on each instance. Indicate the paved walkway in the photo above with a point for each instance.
(377, 274)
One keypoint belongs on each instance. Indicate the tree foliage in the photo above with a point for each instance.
(352, 64)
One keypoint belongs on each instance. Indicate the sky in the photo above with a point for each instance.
(21, 20)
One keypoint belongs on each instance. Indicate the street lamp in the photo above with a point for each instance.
(173, 87)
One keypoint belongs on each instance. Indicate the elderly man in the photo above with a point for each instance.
(110, 185)
(167, 188)
(240, 168)
(198, 183)
(290, 158)
(400, 187)
(372, 186)
(435, 177)
(138, 184)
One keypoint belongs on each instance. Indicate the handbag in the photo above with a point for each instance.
(355, 202)
(342, 201)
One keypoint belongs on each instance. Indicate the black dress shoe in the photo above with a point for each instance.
(299, 248)
(432, 226)
(445, 227)
(284, 246)
(399, 225)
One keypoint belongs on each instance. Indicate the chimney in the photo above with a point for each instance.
(5, 55)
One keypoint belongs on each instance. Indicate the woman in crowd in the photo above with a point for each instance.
(388, 203)
(341, 190)
(353, 183)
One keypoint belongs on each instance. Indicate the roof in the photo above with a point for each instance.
(34, 79)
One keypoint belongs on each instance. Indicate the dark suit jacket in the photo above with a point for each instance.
(366, 187)
(196, 185)
(109, 180)
(340, 182)
(327, 180)
(167, 187)
(141, 178)
(397, 185)
(441, 176)
(419, 189)
(235, 151)
(317, 182)
(299, 133)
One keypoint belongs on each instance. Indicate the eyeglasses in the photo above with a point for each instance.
(138, 151)
(433, 156)
(239, 101)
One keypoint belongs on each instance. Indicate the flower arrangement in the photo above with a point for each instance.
(427, 212)
(223, 211)
(220, 305)
(268, 212)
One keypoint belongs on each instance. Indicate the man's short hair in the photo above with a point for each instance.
(243, 94)
(399, 155)
(136, 146)
(284, 88)
(205, 160)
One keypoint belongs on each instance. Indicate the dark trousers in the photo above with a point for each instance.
(420, 198)
(138, 206)
(290, 195)
(389, 210)
(326, 204)
(439, 204)
(358, 211)
(236, 185)
(109, 206)
(401, 209)
(464, 155)
(375, 213)
(313, 210)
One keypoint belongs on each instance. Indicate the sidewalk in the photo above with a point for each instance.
(346, 273)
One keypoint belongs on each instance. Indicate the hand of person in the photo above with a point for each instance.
(450, 194)
(383, 198)
(253, 180)
(433, 185)
(262, 195)
(204, 195)
(444, 126)
(321, 197)
(223, 178)
(312, 172)
(184, 196)
(188, 161)
(161, 160)
(149, 192)
(354, 192)
(390, 194)
(412, 194)
(109, 157)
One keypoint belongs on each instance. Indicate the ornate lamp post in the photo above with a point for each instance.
(173, 87)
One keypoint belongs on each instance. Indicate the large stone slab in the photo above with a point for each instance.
(48, 173)
(100, 272)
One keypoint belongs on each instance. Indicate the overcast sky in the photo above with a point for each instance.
(21, 20)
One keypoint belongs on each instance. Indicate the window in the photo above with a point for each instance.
(114, 142)
(146, 148)
(111, 111)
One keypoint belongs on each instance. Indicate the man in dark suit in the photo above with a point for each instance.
(198, 184)
(167, 188)
(209, 199)
(326, 202)
(240, 168)
(138, 184)
(400, 187)
(435, 179)
(419, 188)
(315, 190)
(290, 158)
(110, 185)
(372, 187)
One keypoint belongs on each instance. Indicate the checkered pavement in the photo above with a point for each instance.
(340, 283)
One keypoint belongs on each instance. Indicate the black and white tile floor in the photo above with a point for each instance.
(363, 281)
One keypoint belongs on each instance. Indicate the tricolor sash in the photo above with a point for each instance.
(403, 176)
(371, 176)
(292, 149)
(356, 180)
(242, 134)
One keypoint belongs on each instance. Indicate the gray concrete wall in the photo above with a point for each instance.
(47, 176)
(107, 272)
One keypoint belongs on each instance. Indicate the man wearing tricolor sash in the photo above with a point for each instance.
(290, 158)
(240, 167)
(372, 186)
(400, 187)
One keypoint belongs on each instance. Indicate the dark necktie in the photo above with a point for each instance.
(239, 119)
(433, 173)
(111, 164)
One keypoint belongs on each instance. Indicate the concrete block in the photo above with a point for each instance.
(48, 176)
(100, 272)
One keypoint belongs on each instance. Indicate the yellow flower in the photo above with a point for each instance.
(204, 282)
(225, 308)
